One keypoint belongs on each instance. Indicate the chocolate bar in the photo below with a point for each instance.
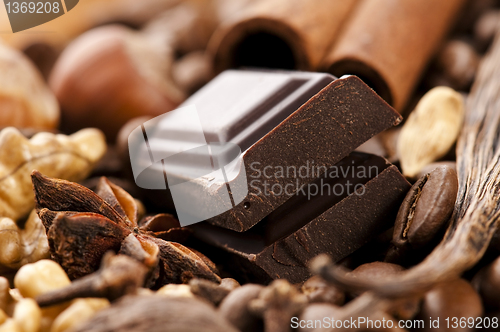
(251, 122)
(333, 221)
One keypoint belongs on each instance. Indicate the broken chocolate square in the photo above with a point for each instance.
(360, 197)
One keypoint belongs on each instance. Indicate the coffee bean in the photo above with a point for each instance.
(432, 166)
(404, 308)
(451, 299)
(426, 208)
(376, 270)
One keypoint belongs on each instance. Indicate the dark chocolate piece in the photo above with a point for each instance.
(250, 122)
(334, 222)
(325, 129)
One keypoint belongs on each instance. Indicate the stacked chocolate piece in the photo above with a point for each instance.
(295, 188)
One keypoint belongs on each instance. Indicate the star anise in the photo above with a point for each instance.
(83, 225)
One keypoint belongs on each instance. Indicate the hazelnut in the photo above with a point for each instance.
(79, 311)
(111, 74)
(173, 290)
(10, 325)
(3, 316)
(27, 315)
(40, 277)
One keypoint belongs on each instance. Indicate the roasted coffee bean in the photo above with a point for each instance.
(426, 208)
(451, 299)
(318, 290)
(432, 166)
(404, 308)
(487, 283)
(376, 270)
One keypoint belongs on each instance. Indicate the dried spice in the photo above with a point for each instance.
(212, 291)
(477, 208)
(67, 157)
(277, 304)
(318, 290)
(82, 225)
(118, 276)
(21, 246)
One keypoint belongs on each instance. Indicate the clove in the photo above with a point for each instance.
(235, 308)
(318, 290)
(118, 276)
(277, 304)
(212, 291)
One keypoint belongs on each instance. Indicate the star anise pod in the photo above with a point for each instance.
(83, 225)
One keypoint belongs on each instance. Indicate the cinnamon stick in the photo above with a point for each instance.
(389, 43)
(289, 34)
